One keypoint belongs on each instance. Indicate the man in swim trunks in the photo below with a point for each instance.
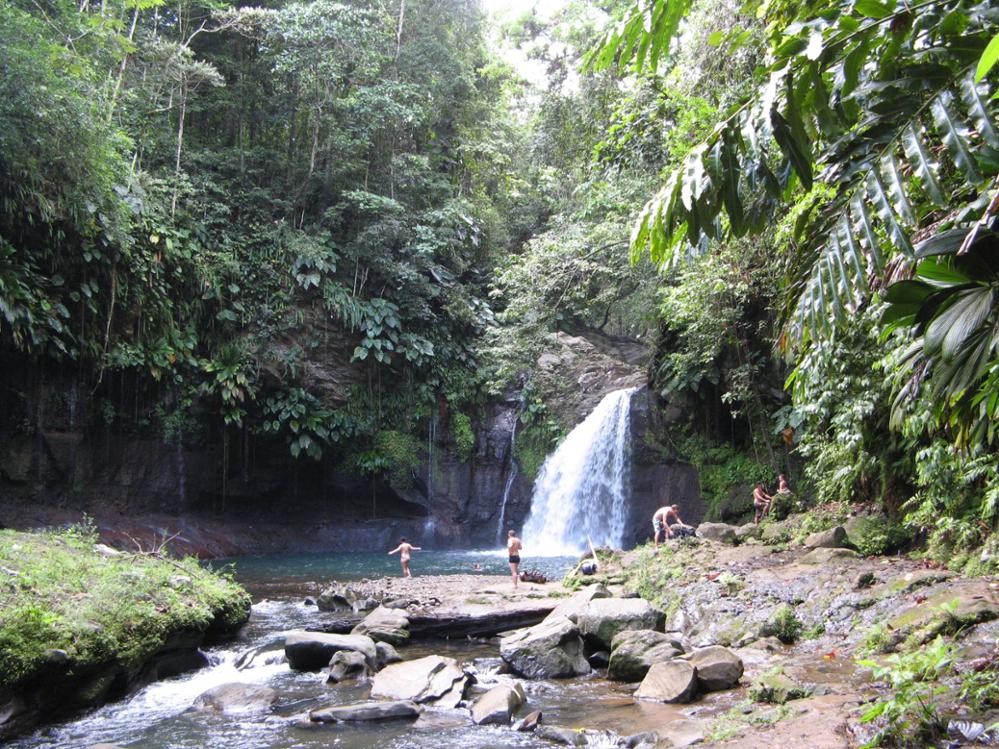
(513, 547)
(675, 525)
(659, 524)
(405, 548)
(761, 501)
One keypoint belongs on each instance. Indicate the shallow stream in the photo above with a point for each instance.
(158, 716)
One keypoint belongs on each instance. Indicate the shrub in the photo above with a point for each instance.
(784, 624)
(878, 536)
(464, 437)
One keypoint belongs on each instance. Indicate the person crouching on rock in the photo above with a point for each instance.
(404, 549)
(513, 548)
(675, 527)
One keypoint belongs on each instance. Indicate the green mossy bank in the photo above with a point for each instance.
(81, 624)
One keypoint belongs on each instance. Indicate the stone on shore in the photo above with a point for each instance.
(384, 625)
(559, 735)
(529, 722)
(385, 655)
(311, 651)
(717, 668)
(824, 555)
(720, 532)
(634, 651)
(776, 688)
(348, 664)
(672, 681)
(550, 650)
(498, 704)
(603, 618)
(362, 711)
(832, 538)
(236, 698)
(433, 679)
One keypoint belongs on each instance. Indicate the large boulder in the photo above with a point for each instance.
(672, 681)
(571, 606)
(311, 651)
(634, 651)
(385, 625)
(550, 650)
(348, 664)
(433, 679)
(832, 538)
(717, 668)
(362, 711)
(720, 532)
(603, 618)
(498, 704)
(236, 698)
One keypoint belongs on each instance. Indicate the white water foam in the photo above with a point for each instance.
(583, 487)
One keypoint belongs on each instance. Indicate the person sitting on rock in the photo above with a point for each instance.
(404, 549)
(761, 501)
(782, 485)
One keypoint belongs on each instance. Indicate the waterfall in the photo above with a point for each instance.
(511, 475)
(582, 489)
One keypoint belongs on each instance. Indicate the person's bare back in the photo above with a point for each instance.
(404, 550)
(513, 547)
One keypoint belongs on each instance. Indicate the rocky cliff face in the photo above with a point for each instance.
(65, 459)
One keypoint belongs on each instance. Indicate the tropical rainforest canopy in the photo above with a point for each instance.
(793, 204)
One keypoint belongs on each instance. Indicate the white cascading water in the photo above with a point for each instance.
(582, 489)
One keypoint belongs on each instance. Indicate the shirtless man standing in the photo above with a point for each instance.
(761, 501)
(404, 548)
(513, 547)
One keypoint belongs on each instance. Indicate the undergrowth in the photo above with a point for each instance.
(58, 593)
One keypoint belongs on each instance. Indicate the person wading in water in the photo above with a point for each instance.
(404, 549)
(513, 547)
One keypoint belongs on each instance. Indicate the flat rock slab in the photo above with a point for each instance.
(311, 651)
(431, 679)
(570, 607)
(478, 621)
(364, 711)
(672, 681)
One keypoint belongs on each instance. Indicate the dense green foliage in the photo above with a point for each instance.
(203, 208)
(60, 593)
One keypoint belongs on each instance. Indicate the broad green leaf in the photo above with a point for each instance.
(715, 38)
(896, 189)
(872, 9)
(800, 159)
(988, 59)
(862, 221)
(942, 243)
(941, 273)
(979, 111)
(955, 137)
(924, 166)
(882, 205)
(950, 328)
(908, 292)
(693, 178)
(730, 174)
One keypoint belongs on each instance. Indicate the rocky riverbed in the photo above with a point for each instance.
(735, 640)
